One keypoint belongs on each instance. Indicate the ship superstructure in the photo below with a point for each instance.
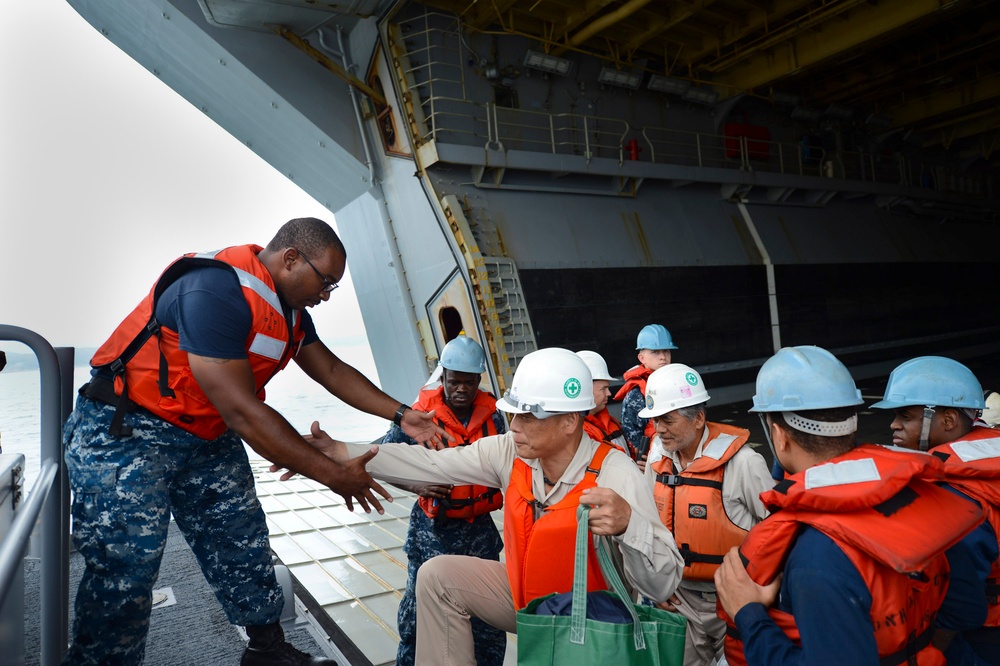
(546, 172)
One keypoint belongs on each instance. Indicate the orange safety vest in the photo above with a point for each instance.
(540, 552)
(635, 377)
(152, 371)
(465, 502)
(884, 510)
(702, 530)
(602, 427)
(972, 465)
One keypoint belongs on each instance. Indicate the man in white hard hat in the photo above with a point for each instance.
(547, 466)
(707, 488)
(599, 424)
(849, 565)
(653, 346)
(452, 519)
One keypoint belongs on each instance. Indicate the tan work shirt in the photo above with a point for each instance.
(745, 478)
(652, 563)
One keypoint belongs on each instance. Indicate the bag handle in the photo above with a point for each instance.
(578, 618)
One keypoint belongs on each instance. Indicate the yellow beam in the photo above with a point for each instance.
(330, 64)
(606, 21)
(866, 23)
(679, 13)
(945, 102)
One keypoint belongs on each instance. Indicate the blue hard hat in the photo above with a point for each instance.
(654, 336)
(804, 378)
(463, 354)
(932, 381)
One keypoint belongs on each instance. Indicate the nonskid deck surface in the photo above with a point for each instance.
(189, 628)
(352, 564)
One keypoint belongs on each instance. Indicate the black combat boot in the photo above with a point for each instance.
(268, 647)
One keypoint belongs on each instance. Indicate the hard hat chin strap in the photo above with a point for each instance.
(925, 428)
(770, 445)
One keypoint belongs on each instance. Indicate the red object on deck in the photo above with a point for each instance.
(633, 149)
(757, 138)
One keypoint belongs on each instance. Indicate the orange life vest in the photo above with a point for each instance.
(151, 370)
(635, 377)
(702, 530)
(465, 502)
(540, 552)
(602, 427)
(972, 465)
(883, 509)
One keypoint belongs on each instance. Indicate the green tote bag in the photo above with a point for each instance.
(654, 637)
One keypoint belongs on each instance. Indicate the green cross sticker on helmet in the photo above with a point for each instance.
(572, 387)
(691, 378)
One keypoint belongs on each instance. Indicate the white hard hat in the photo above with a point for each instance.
(672, 387)
(597, 365)
(991, 415)
(549, 381)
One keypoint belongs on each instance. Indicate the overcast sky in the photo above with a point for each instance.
(107, 175)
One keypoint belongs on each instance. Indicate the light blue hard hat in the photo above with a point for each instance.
(463, 354)
(932, 381)
(654, 336)
(804, 378)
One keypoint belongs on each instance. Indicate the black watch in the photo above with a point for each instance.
(398, 418)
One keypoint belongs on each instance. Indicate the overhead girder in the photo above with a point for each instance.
(879, 77)
(945, 102)
(601, 23)
(679, 13)
(866, 22)
(758, 18)
(981, 122)
(480, 15)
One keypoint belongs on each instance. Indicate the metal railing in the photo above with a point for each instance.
(48, 502)
(557, 133)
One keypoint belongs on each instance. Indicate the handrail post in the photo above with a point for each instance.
(67, 362)
(54, 541)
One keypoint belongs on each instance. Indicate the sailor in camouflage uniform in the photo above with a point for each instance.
(159, 429)
(453, 520)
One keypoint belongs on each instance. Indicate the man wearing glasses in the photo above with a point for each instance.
(158, 430)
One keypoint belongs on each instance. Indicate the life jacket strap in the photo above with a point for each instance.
(674, 480)
(908, 653)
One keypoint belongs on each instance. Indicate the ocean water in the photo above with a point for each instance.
(291, 392)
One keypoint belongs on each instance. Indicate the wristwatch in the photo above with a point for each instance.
(398, 418)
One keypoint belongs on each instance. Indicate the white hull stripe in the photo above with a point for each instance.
(978, 449)
(841, 473)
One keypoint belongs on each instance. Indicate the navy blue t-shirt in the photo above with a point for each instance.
(212, 318)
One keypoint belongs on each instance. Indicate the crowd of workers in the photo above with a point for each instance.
(843, 552)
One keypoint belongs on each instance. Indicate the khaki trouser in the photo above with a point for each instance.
(450, 590)
(706, 632)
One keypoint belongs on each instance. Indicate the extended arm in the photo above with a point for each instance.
(345, 382)
(229, 385)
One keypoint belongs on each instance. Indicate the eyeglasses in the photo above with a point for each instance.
(327, 285)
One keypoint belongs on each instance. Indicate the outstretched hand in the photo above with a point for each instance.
(423, 429)
(735, 587)
(351, 480)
